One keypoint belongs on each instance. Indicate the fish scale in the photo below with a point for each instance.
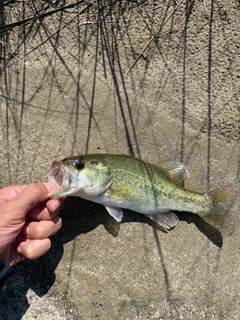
(119, 181)
(153, 191)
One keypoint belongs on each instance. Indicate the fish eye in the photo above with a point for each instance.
(79, 165)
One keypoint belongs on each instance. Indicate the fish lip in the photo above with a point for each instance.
(61, 175)
(56, 175)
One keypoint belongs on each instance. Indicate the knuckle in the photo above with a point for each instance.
(37, 192)
(30, 253)
(33, 189)
(60, 223)
(40, 230)
(37, 249)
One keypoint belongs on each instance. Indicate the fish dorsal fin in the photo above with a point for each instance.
(176, 171)
(166, 219)
(115, 212)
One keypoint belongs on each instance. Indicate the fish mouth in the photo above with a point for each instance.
(64, 178)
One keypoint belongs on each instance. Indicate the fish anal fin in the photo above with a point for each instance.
(176, 171)
(115, 212)
(167, 220)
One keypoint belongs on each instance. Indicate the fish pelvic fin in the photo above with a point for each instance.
(219, 217)
(115, 212)
(167, 220)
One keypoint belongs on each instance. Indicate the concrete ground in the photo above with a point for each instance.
(152, 79)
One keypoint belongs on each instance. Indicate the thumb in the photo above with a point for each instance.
(31, 195)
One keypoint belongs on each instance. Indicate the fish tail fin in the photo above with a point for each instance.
(219, 217)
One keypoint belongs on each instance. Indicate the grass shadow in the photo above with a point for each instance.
(105, 26)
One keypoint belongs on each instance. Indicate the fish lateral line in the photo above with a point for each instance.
(119, 181)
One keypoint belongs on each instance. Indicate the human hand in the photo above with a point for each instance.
(27, 218)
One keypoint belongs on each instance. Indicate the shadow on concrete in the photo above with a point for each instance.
(79, 217)
(39, 275)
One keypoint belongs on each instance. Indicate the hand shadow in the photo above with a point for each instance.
(79, 216)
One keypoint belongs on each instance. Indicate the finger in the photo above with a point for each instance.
(10, 192)
(45, 211)
(54, 204)
(31, 195)
(41, 229)
(32, 249)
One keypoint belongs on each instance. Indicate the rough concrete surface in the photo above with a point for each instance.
(67, 88)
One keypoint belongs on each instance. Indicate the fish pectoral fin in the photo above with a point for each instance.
(176, 171)
(115, 212)
(167, 219)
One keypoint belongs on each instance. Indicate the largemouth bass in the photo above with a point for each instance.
(119, 181)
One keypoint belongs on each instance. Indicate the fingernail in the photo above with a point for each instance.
(52, 188)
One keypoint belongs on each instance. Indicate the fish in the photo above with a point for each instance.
(125, 182)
